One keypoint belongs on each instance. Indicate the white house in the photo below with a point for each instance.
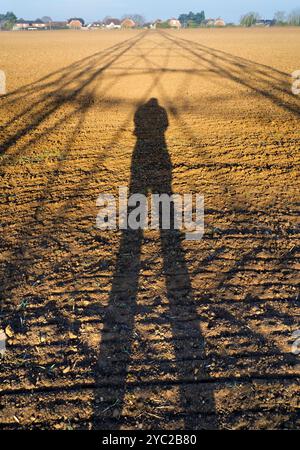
(112, 23)
(220, 22)
(22, 24)
(174, 23)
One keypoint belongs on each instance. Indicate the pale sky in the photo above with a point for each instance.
(230, 10)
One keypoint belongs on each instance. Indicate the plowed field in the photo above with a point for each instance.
(107, 330)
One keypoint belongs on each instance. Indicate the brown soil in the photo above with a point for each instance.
(191, 334)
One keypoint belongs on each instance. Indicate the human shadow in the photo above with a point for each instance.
(151, 172)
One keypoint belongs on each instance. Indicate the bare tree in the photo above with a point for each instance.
(137, 18)
(47, 19)
(249, 19)
(294, 17)
(280, 17)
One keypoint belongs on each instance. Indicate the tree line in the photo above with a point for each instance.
(7, 20)
(280, 18)
(192, 19)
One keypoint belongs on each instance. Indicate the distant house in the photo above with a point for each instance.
(150, 25)
(96, 25)
(174, 23)
(22, 24)
(112, 23)
(128, 23)
(220, 22)
(265, 23)
(58, 25)
(75, 23)
(157, 23)
(209, 22)
(38, 23)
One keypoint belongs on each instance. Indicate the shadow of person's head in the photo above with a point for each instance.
(151, 121)
(151, 167)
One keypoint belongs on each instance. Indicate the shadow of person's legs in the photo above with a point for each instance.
(196, 393)
(116, 337)
(151, 171)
